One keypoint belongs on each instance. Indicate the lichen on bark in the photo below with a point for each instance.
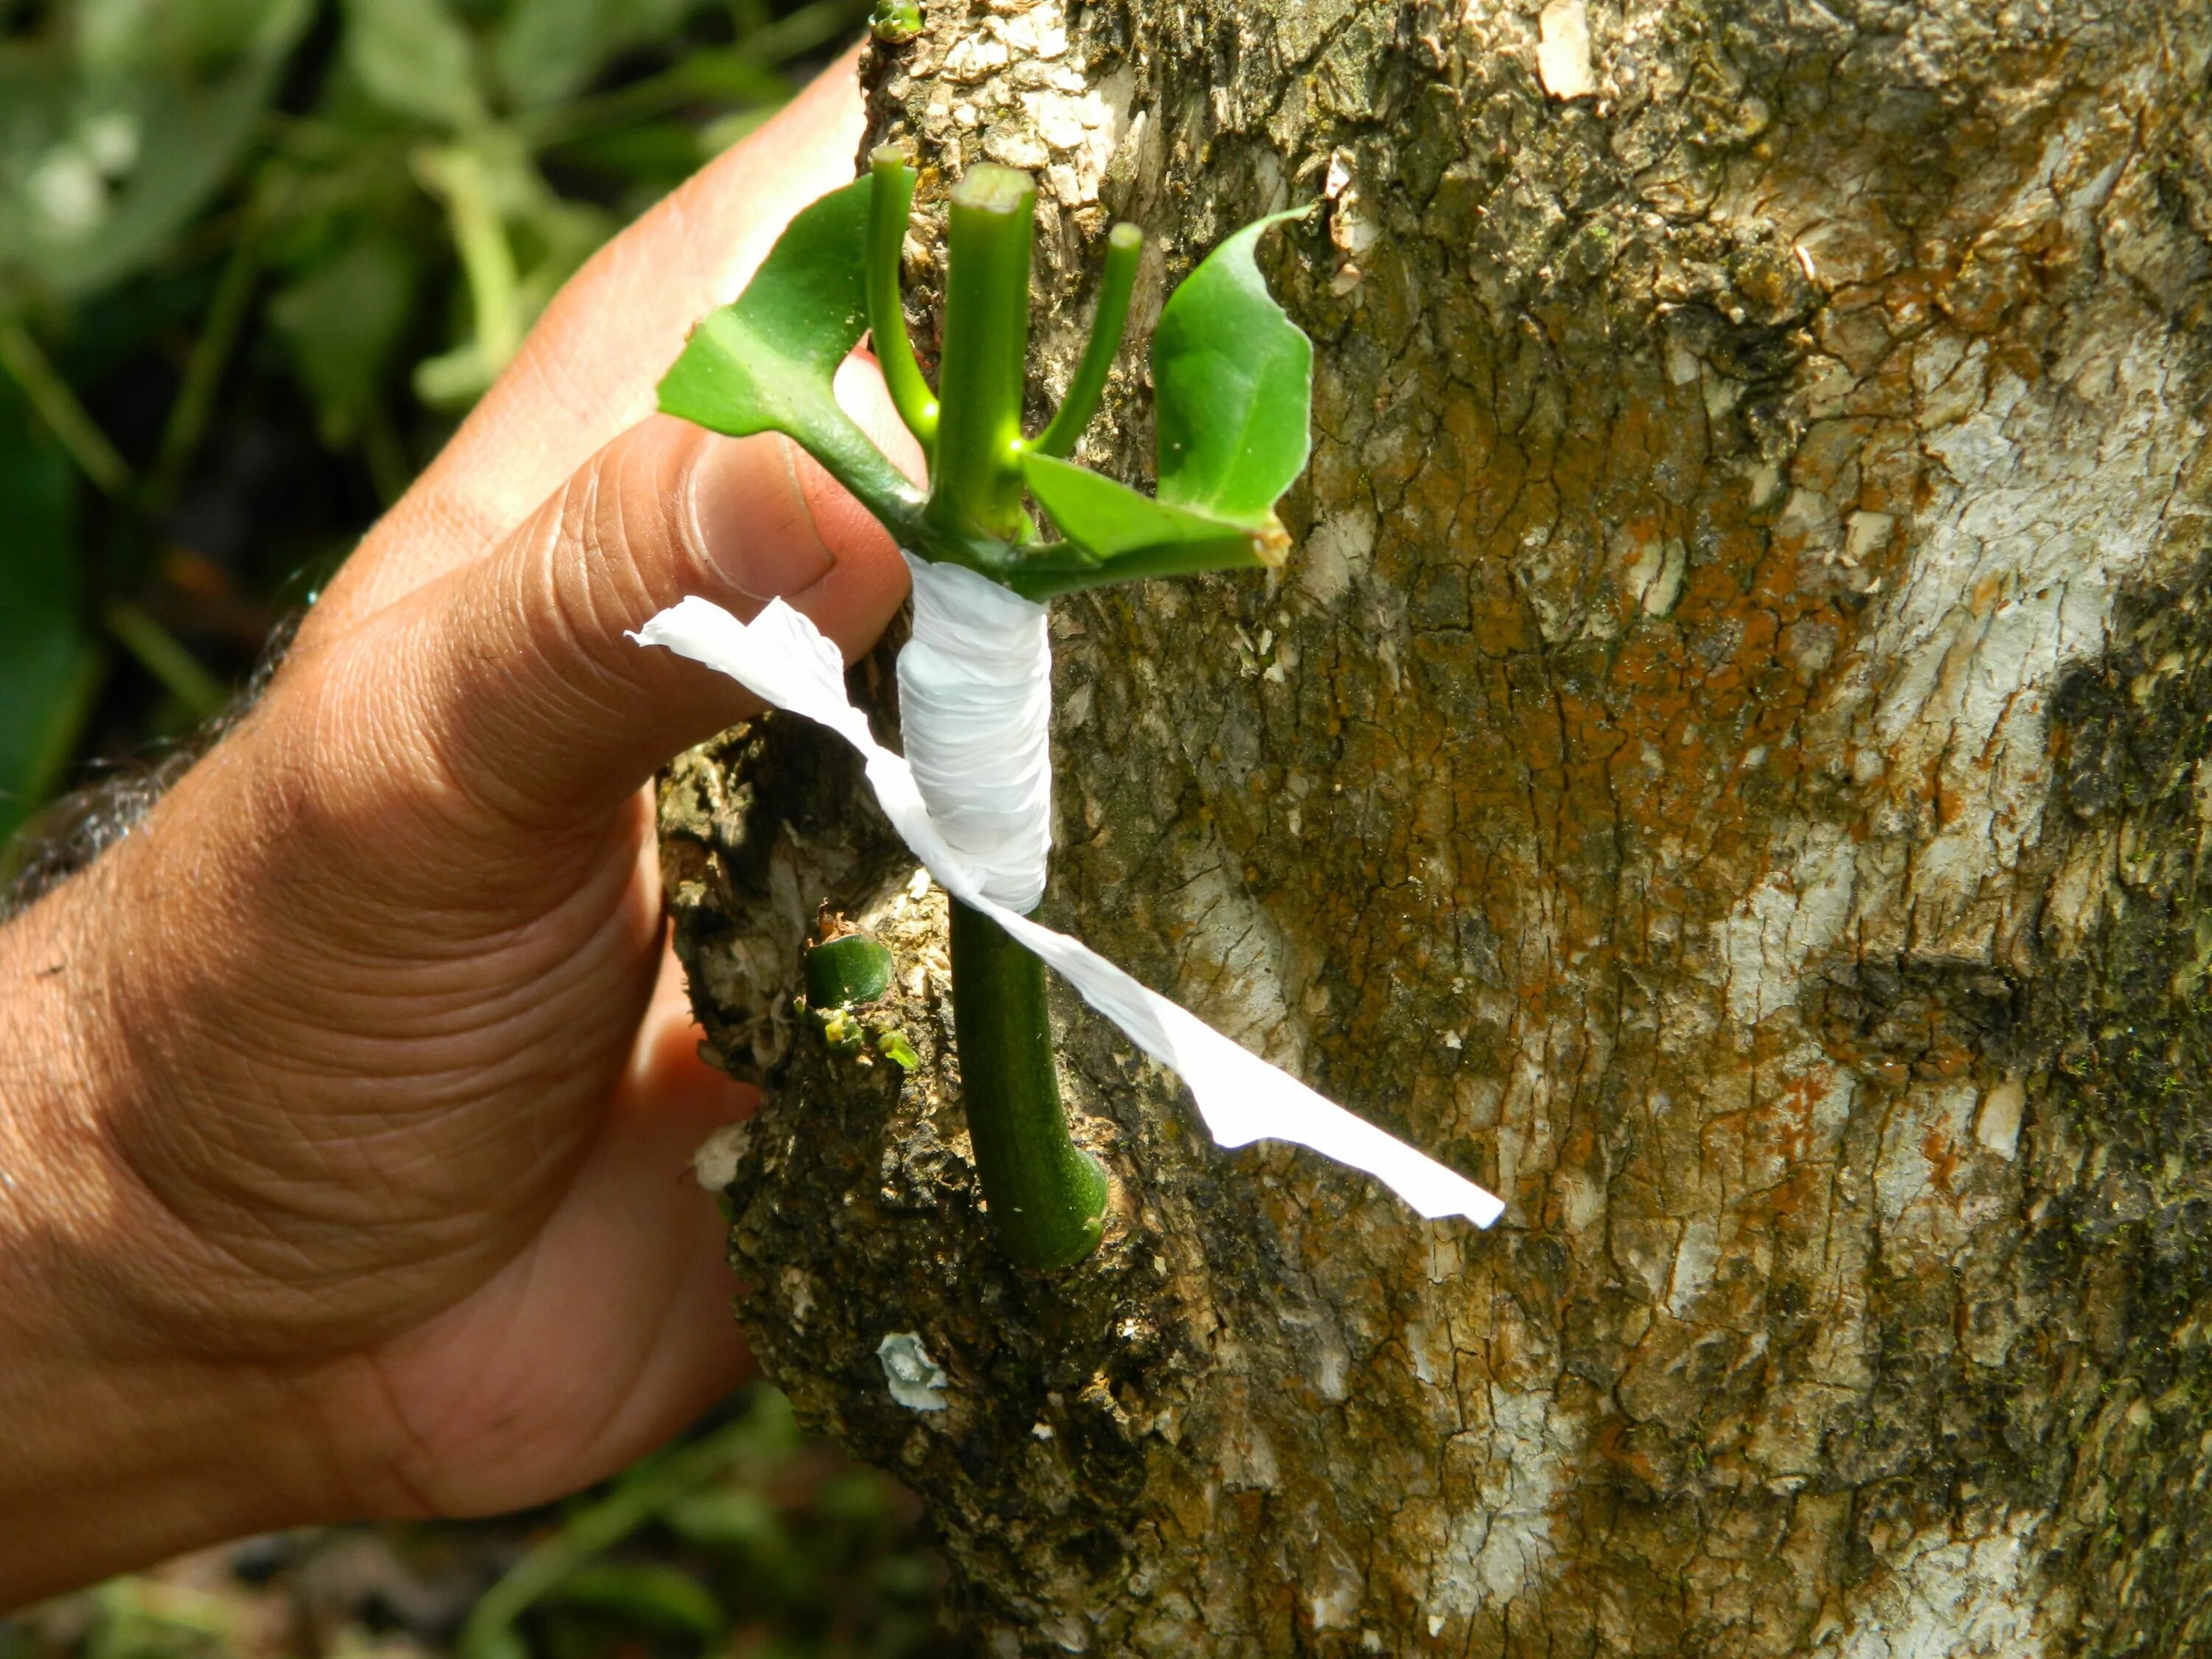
(1725, 766)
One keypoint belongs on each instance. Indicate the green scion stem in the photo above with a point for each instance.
(890, 199)
(1047, 1195)
(1123, 247)
(975, 474)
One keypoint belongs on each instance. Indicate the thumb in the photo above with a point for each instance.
(519, 685)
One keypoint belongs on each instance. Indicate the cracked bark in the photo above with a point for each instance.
(1725, 766)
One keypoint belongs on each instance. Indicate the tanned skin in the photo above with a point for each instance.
(345, 1102)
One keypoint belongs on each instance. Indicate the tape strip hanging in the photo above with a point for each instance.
(784, 660)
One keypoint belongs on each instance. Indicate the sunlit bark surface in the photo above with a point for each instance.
(1725, 766)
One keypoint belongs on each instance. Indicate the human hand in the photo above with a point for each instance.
(342, 1130)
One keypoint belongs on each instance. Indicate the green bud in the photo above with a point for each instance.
(892, 1045)
(840, 1031)
(854, 968)
(895, 22)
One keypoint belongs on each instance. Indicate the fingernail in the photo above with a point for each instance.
(749, 517)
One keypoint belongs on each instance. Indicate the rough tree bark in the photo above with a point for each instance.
(1726, 766)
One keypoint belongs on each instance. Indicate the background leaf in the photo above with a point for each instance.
(645, 1593)
(1232, 379)
(106, 149)
(546, 50)
(415, 59)
(47, 662)
(342, 320)
(117, 40)
(228, 238)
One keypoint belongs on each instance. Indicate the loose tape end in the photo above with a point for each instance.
(783, 659)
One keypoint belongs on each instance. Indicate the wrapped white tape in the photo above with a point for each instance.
(784, 660)
(976, 709)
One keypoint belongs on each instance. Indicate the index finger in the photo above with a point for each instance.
(587, 370)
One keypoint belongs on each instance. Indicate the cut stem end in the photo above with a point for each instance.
(1125, 246)
(891, 202)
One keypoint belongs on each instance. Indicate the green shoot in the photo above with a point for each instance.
(1232, 376)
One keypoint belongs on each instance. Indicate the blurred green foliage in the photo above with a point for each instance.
(746, 1541)
(257, 257)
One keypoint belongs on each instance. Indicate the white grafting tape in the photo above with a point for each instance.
(783, 659)
(975, 714)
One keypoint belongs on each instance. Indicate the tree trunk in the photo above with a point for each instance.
(1725, 767)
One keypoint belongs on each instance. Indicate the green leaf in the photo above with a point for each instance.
(118, 39)
(342, 321)
(1134, 534)
(545, 51)
(49, 666)
(642, 1593)
(1233, 377)
(766, 363)
(416, 58)
(733, 1519)
(1232, 380)
(854, 968)
(106, 151)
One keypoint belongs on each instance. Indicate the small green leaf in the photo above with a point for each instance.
(766, 363)
(1234, 382)
(1232, 379)
(1134, 534)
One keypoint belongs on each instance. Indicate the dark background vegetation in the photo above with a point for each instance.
(256, 258)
